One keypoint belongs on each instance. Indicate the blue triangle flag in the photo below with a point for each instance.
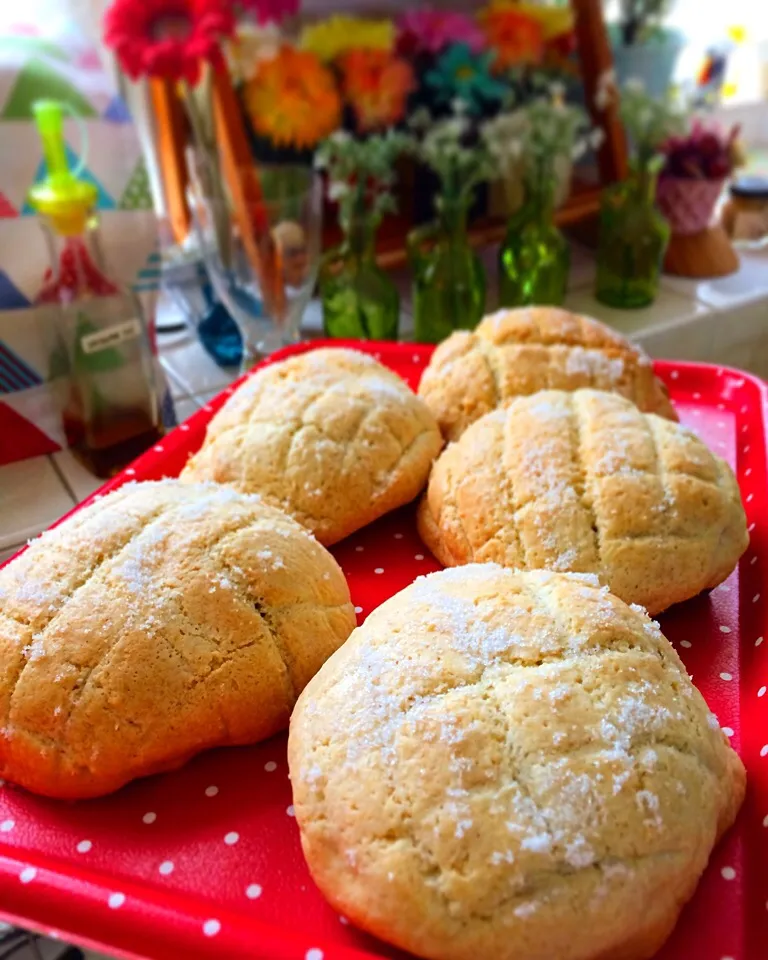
(11, 298)
(117, 111)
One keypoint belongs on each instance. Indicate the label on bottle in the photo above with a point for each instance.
(111, 337)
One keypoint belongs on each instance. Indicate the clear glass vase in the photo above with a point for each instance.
(448, 277)
(261, 254)
(534, 258)
(359, 300)
(632, 244)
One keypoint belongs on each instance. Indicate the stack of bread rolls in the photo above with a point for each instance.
(505, 748)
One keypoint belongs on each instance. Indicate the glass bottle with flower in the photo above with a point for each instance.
(633, 234)
(449, 279)
(359, 299)
(534, 258)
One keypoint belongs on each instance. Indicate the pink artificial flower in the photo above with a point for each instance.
(266, 11)
(431, 31)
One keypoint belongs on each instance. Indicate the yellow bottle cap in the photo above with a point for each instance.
(62, 197)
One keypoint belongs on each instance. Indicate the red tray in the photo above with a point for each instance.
(206, 862)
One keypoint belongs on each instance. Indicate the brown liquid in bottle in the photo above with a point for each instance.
(106, 446)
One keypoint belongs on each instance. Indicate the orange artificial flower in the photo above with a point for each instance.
(377, 85)
(292, 99)
(516, 37)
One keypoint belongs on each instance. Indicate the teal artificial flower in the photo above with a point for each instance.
(460, 74)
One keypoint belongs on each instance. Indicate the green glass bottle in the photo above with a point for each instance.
(448, 277)
(359, 300)
(535, 258)
(632, 244)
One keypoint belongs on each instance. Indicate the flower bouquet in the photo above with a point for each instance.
(696, 166)
(633, 234)
(449, 279)
(531, 147)
(359, 299)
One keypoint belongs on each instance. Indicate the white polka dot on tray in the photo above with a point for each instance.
(419, 556)
(314, 953)
(253, 891)
(398, 536)
(758, 641)
(685, 643)
(765, 820)
(291, 811)
(755, 598)
(674, 374)
(697, 396)
(184, 427)
(728, 731)
(158, 448)
(166, 868)
(728, 873)
(211, 927)
(28, 874)
(358, 609)
(750, 497)
(130, 472)
(116, 900)
(724, 629)
(270, 765)
(416, 358)
(7, 825)
(149, 817)
(84, 846)
(231, 838)
(726, 676)
(359, 549)
(211, 791)
(379, 570)
(761, 691)
(764, 750)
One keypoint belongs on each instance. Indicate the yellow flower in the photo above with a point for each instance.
(554, 21)
(292, 99)
(330, 38)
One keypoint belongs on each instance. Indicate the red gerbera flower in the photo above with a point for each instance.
(167, 38)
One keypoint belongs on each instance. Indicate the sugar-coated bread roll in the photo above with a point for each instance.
(585, 482)
(162, 620)
(513, 353)
(504, 765)
(330, 436)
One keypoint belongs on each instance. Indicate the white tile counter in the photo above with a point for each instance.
(718, 321)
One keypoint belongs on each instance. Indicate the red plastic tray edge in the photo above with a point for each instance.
(175, 920)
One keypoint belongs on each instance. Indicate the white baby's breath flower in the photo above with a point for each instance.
(557, 91)
(634, 85)
(337, 190)
(596, 138)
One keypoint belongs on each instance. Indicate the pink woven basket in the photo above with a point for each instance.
(688, 204)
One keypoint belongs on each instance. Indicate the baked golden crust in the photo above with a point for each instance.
(518, 352)
(330, 436)
(585, 482)
(162, 620)
(510, 765)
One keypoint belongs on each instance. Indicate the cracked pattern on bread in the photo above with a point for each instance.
(161, 620)
(514, 353)
(511, 765)
(585, 482)
(331, 436)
